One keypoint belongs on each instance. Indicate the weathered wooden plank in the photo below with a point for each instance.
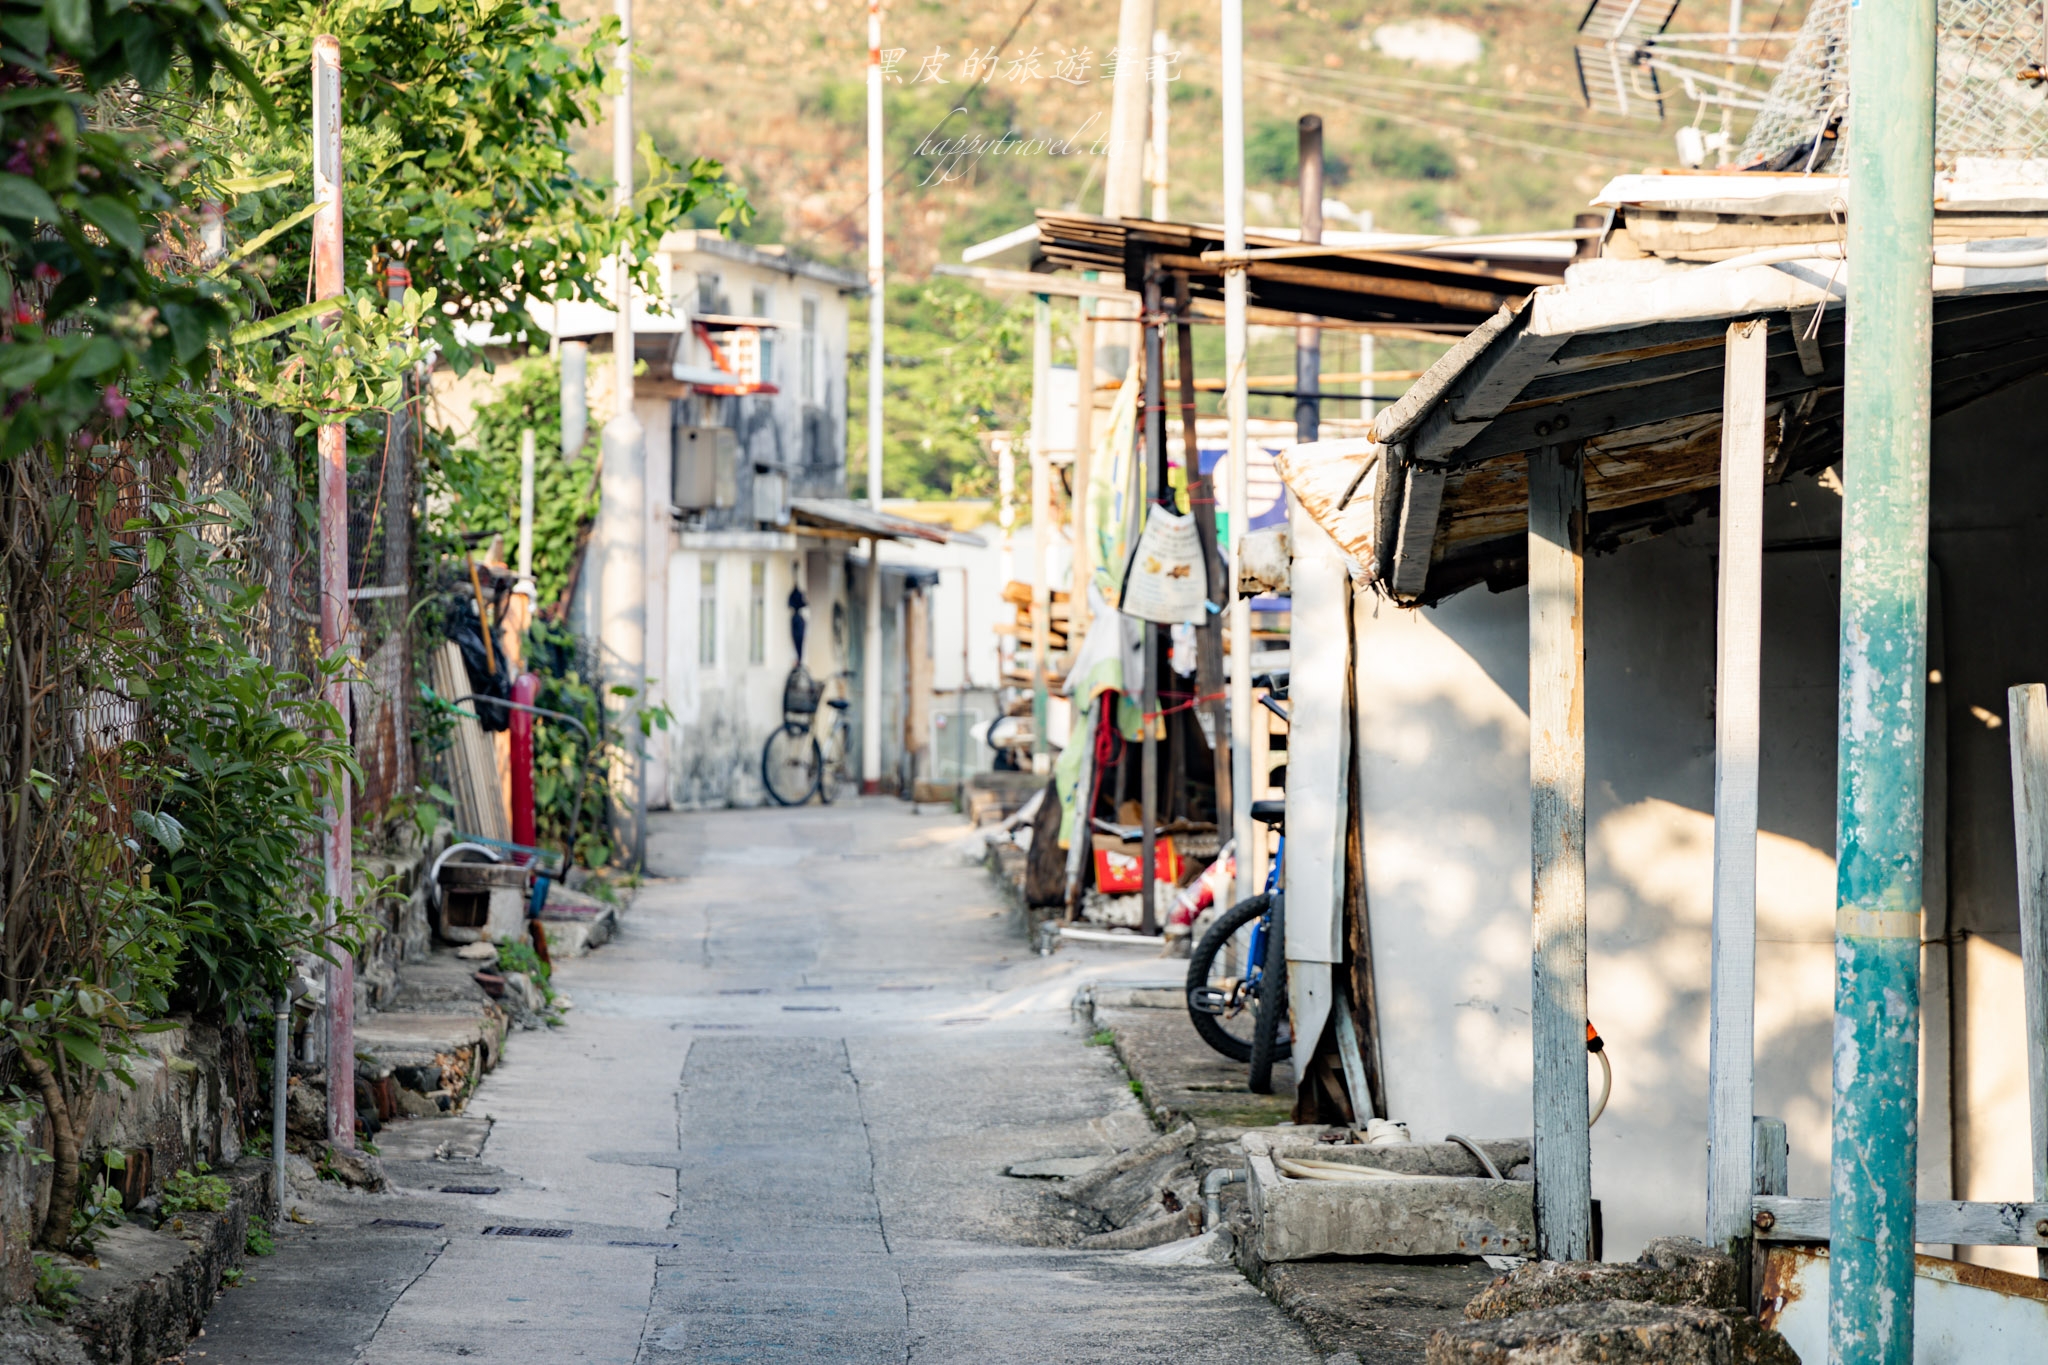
(1936, 1221)
(1419, 508)
(2028, 705)
(1557, 801)
(1731, 1056)
(1772, 1173)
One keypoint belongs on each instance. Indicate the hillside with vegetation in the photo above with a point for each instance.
(1451, 116)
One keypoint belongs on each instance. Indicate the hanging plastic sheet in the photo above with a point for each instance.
(1113, 492)
(1167, 580)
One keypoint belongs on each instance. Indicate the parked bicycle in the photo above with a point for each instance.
(1237, 974)
(806, 755)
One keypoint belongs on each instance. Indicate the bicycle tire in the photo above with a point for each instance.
(832, 772)
(1203, 960)
(1272, 1003)
(789, 761)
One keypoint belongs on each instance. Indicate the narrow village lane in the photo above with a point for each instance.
(775, 1128)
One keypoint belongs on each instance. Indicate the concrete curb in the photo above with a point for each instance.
(151, 1292)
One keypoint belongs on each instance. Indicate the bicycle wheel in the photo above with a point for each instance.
(832, 764)
(1218, 1004)
(790, 765)
(1272, 1004)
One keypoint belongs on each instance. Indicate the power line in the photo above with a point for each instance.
(971, 101)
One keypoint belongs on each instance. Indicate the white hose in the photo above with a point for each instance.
(1606, 1087)
(1960, 257)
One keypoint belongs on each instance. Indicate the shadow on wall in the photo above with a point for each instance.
(1446, 772)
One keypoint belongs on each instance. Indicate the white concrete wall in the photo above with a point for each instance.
(1444, 743)
(725, 709)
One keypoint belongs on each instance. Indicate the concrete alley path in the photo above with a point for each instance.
(775, 1127)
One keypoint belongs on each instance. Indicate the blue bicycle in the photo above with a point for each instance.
(1237, 981)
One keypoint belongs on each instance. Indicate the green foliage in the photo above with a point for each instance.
(93, 200)
(517, 955)
(482, 488)
(96, 1213)
(259, 1242)
(568, 772)
(237, 827)
(195, 1191)
(1272, 149)
(1102, 1037)
(1404, 156)
(958, 367)
(15, 1117)
(56, 1286)
(468, 113)
(231, 1277)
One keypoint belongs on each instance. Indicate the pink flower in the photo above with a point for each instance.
(115, 402)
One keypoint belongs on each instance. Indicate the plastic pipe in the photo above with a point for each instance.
(1212, 1193)
(525, 688)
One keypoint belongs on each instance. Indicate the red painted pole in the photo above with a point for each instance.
(333, 498)
(525, 691)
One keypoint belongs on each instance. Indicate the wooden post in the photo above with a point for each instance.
(1079, 613)
(2029, 709)
(1731, 1060)
(1202, 502)
(1154, 485)
(1557, 809)
(1041, 533)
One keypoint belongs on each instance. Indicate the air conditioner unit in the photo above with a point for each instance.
(704, 473)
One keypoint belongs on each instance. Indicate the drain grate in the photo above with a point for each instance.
(812, 1009)
(527, 1232)
(469, 1189)
(658, 1246)
(403, 1223)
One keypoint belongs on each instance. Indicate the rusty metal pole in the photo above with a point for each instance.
(336, 846)
(1308, 338)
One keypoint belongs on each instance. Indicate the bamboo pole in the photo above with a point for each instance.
(1886, 410)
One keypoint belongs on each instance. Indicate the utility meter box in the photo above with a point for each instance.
(704, 473)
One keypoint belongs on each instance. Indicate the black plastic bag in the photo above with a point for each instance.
(485, 681)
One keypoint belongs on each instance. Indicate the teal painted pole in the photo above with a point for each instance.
(1881, 723)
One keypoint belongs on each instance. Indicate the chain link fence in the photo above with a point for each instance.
(1983, 105)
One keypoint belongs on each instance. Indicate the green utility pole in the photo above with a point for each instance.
(1881, 721)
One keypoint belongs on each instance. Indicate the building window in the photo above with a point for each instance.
(809, 354)
(757, 614)
(707, 613)
(707, 293)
